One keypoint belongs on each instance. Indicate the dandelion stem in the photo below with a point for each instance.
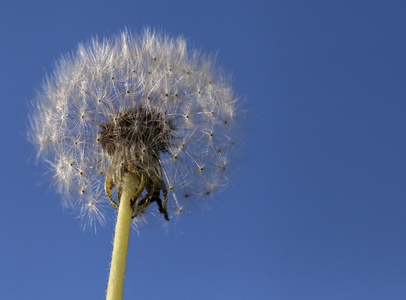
(120, 246)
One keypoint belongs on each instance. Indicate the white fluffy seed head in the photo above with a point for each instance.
(148, 101)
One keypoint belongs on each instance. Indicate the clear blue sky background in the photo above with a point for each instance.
(317, 209)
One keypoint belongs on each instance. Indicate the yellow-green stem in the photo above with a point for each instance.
(119, 257)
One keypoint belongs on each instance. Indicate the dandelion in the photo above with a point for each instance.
(143, 116)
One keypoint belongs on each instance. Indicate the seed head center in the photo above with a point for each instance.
(138, 129)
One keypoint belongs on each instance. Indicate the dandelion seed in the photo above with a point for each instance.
(146, 106)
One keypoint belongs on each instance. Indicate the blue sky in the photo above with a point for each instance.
(317, 207)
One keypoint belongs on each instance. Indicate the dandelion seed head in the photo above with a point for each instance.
(145, 104)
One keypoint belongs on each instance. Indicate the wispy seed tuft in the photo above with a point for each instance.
(143, 104)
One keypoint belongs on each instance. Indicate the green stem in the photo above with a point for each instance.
(120, 246)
